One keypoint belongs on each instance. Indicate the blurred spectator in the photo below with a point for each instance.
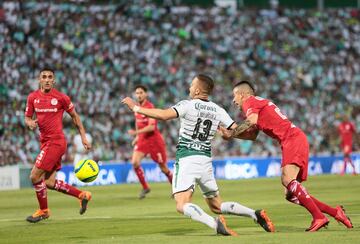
(79, 151)
(307, 61)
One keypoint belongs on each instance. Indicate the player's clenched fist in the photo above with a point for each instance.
(87, 145)
(32, 124)
(224, 133)
(132, 132)
(129, 102)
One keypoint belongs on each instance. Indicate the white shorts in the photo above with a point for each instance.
(192, 170)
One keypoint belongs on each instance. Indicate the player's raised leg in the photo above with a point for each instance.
(294, 188)
(37, 179)
(186, 171)
(338, 213)
(343, 171)
(158, 154)
(164, 168)
(217, 206)
(347, 159)
(136, 162)
(61, 186)
(184, 206)
(210, 191)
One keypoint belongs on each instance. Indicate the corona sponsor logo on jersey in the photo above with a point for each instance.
(205, 107)
(46, 110)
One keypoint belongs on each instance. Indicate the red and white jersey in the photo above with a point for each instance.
(346, 130)
(271, 121)
(143, 121)
(49, 109)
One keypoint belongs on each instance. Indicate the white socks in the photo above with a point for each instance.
(197, 214)
(237, 209)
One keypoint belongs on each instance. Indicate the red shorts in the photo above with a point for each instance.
(156, 149)
(49, 158)
(295, 150)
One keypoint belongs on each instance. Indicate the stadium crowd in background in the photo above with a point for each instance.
(307, 61)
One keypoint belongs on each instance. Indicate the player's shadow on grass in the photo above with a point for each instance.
(184, 232)
(289, 229)
(292, 229)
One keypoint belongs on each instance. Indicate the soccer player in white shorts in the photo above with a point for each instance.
(200, 119)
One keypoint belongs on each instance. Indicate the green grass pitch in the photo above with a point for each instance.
(115, 215)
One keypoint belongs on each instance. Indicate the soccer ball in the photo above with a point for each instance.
(86, 170)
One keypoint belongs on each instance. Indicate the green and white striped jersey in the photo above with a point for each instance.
(199, 120)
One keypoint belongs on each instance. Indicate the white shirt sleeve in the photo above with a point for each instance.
(225, 119)
(181, 108)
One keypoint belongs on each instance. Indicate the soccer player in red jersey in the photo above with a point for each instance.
(262, 114)
(48, 104)
(148, 140)
(347, 130)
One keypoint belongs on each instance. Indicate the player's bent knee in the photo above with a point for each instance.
(50, 184)
(215, 209)
(34, 178)
(180, 207)
(285, 180)
(164, 168)
(135, 164)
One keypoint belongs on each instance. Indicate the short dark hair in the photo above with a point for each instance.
(206, 81)
(245, 82)
(144, 88)
(47, 69)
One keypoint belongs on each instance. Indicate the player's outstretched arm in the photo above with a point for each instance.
(249, 134)
(246, 130)
(163, 114)
(77, 122)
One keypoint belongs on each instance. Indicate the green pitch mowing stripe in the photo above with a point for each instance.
(115, 215)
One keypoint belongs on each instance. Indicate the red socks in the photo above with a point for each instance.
(63, 187)
(41, 194)
(296, 189)
(140, 174)
(41, 191)
(325, 208)
(347, 160)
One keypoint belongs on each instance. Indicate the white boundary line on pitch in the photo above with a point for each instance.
(76, 218)
(149, 217)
